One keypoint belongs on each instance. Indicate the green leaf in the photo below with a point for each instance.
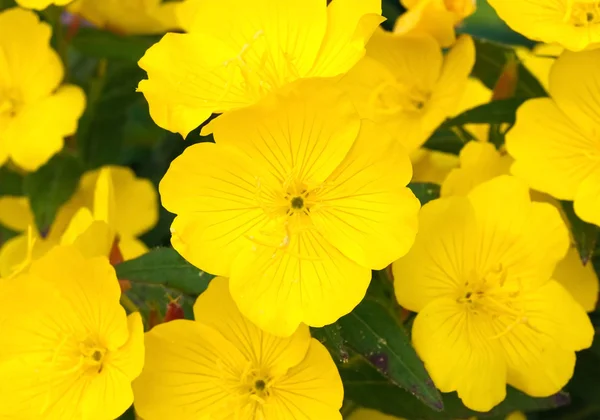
(104, 44)
(11, 183)
(495, 112)
(368, 388)
(584, 234)
(425, 191)
(489, 65)
(51, 186)
(331, 337)
(372, 331)
(128, 415)
(164, 266)
(154, 298)
(448, 140)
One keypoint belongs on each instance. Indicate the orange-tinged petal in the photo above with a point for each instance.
(15, 213)
(540, 352)
(458, 353)
(580, 280)
(312, 389)
(364, 210)
(305, 280)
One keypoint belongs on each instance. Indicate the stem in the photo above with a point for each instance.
(128, 304)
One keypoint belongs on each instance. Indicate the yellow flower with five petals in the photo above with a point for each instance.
(221, 366)
(296, 202)
(237, 52)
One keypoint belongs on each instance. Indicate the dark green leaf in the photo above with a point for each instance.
(425, 191)
(489, 65)
(368, 388)
(331, 337)
(164, 266)
(104, 44)
(495, 112)
(128, 415)
(391, 9)
(372, 331)
(51, 186)
(153, 299)
(584, 234)
(11, 183)
(7, 4)
(448, 140)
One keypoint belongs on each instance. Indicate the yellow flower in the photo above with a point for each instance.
(555, 140)
(41, 4)
(110, 202)
(297, 201)
(72, 352)
(221, 366)
(574, 24)
(128, 16)
(238, 53)
(408, 86)
(539, 61)
(36, 112)
(437, 18)
(489, 313)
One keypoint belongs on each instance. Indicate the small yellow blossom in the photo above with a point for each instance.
(294, 204)
(573, 24)
(41, 4)
(36, 112)
(555, 141)
(406, 85)
(236, 54)
(437, 18)
(489, 313)
(70, 351)
(128, 16)
(221, 366)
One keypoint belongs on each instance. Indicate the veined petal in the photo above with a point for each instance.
(38, 130)
(312, 389)
(216, 308)
(107, 395)
(305, 280)
(580, 280)
(350, 24)
(540, 352)
(129, 359)
(437, 262)
(551, 152)
(458, 353)
(587, 198)
(364, 208)
(303, 132)
(218, 205)
(190, 372)
(15, 213)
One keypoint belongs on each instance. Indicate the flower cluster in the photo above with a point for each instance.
(315, 132)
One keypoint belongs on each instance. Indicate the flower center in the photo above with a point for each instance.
(9, 105)
(93, 357)
(583, 13)
(297, 203)
(392, 98)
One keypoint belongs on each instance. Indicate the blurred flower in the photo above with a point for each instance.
(72, 352)
(556, 141)
(109, 203)
(236, 54)
(539, 61)
(437, 18)
(36, 112)
(128, 16)
(41, 4)
(408, 86)
(574, 24)
(432, 166)
(488, 312)
(297, 201)
(222, 366)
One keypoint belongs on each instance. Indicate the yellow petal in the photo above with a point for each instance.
(41, 4)
(190, 372)
(38, 130)
(108, 393)
(458, 354)
(551, 152)
(312, 389)
(129, 359)
(104, 198)
(580, 280)
(541, 351)
(216, 308)
(429, 17)
(217, 207)
(432, 166)
(350, 24)
(15, 213)
(367, 213)
(91, 237)
(305, 280)
(131, 247)
(587, 199)
(539, 61)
